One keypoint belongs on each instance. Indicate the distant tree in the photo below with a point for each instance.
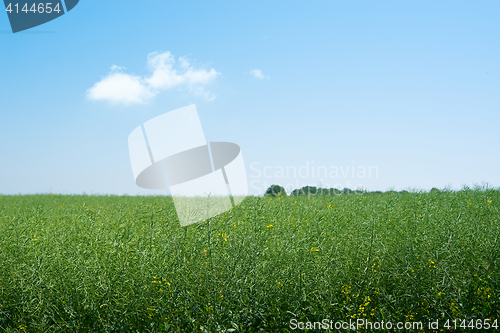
(312, 190)
(360, 192)
(434, 191)
(347, 190)
(306, 190)
(334, 191)
(275, 190)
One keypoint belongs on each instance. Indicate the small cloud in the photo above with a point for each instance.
(200, 91)
(166, 73)
(120, 88)
(117, 68)
(165, 76)
(258, 74)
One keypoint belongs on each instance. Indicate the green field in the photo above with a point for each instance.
(123, 263)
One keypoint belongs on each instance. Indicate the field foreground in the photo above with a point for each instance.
(110, 263)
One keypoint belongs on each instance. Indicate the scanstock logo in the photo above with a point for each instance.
(205, 180)
(28, 14)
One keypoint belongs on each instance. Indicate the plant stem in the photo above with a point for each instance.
(208, 231)
(151, 235)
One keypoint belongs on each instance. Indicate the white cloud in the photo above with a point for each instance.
(119, 87)
(165, 76)
(258, 74)
(200, 91)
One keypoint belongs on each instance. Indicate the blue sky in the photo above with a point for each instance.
(409, 89)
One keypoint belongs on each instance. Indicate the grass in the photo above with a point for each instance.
(110, 263)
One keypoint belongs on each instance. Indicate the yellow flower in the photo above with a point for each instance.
(489, 201)
(314, 250)
(270, 226)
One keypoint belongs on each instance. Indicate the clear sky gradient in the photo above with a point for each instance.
(410, 89)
